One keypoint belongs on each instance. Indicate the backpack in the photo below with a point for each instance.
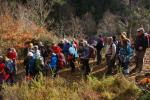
(92, 52)
(9, 66)
(53, 62)
(38, 64)
(61, 60)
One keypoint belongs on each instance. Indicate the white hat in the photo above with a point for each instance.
(30, 54)
(140, 29)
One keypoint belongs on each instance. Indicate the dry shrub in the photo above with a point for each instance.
(15, 33)
(117, 88)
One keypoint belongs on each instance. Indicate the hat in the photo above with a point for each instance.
(140, 30)
(31, 45)
(41, 44)
(124, 36)
(124, 33)
(30, 54)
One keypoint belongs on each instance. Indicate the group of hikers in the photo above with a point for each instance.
(43, 58)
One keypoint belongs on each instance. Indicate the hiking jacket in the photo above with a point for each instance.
(12, 55)
(31, 64)
(111, 50)
(141, 41)
(53, 61)
(73, 52)
(125, 53)
(85, 53)
(100, 44)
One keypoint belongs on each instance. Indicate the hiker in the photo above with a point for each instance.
(66, 48)
(72, 56)
(39, 63)
(10, 69)
(110, 55)
(12, 54)
(85, 56)
(29, 62)
(61, 44)
(99, 46)
(43, 51)
(31, 48)
(125, 54)
(53, 64)
(141, 44)
(36, 51)
(3, 75)
(55, 48)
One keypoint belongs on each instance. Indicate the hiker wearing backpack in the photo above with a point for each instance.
(10, 69)
(125, 54)
(53, 64)
(39, 63)
(141, 44)
(72, 56)
(85, 57)
(43, 51)
(12, 54)
(110, 55)
(29, 62)
(99, 46)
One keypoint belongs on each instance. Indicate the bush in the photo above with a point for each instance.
(116, 88)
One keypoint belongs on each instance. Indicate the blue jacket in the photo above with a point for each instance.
(85, 53)
(31, 64)
(73, 51)
(126, 52)
(10, 66)
(53, 61)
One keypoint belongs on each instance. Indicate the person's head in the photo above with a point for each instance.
(40, 44)
(109, 40)
(62, 41)
(36, 47)
(114, 38)
(13, 49)
(140, 31)
(100, 35)
(9, 50)
(85, 43)
(30, 45)
(123, 36)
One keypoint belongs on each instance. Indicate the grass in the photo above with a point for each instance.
(108, 88)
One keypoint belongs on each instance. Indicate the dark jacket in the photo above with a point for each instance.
(141, 41)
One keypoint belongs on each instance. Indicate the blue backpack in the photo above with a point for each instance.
(53, 62)
(9, 66)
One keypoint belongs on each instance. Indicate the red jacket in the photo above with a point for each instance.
(2, 71)
(56, 49)
(12, 55)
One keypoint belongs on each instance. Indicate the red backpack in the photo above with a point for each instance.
(61, 60)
